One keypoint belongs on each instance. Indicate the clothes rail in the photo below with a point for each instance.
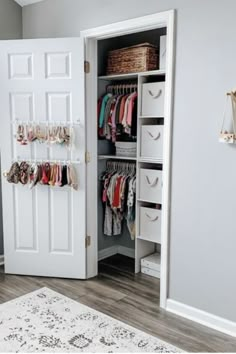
(120, 165)
(65, 162)
(122, 88)
(32, 123)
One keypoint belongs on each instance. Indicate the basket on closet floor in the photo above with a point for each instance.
(138, 58)
(127, 149)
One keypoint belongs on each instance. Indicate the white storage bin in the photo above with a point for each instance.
(153, 99)
(150, 224)
(152, 262)
(162, 54)
(128, 149)
(150, 185)
(152, 141)
(151, 272)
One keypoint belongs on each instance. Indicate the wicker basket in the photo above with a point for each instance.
(138, 58)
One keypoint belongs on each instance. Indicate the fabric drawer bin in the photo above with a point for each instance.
(151, 272)
(150, 187)
(152, 141)
(150, 224)
(153, 99)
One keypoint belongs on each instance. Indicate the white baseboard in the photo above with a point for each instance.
(1, 260)
(125, 251)
(111, 251)
(107, 252)
(202, 317)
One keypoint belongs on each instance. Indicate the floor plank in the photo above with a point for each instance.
(128, 297)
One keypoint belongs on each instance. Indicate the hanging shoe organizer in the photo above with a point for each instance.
(50, 172)
(229, 135)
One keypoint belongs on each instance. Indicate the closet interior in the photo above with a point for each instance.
(130, 126)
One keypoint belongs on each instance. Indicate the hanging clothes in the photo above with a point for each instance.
(119, 197)
(117, 113)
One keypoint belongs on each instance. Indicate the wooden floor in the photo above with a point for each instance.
(130, 298)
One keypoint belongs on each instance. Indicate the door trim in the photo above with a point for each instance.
(91, 36)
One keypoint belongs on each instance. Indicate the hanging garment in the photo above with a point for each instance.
(118, 197)
(117, 116)
(102, 110)
(130, 216)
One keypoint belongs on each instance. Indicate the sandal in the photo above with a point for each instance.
(31, 134)
(58, 175)
(68, 175)
(20, 133)
(46, 170)
(13, 176)
(53, 174)
(73, 177)
(67, 137)
(64, 176)
(24, 173)
(33, 175)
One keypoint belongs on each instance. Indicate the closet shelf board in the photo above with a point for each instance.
(147, 201)
(143, 159)
(146, 117)
(145, 239)
(160, 72)
(119, 77)
(115, 157)
(131, 76)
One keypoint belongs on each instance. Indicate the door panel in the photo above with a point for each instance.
(44, 228)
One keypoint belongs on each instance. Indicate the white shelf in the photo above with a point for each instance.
(118, 77)
(145, 117)
(131, 75)
(115, 157)
(145, 239)
(147, 201)
(153, 73)
(148, 160)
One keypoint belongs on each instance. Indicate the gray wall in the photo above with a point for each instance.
(10, 20)
(203, 236)
(10, 28)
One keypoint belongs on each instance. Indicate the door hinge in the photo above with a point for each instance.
(87, 241)
(86, 67)
(87, 157)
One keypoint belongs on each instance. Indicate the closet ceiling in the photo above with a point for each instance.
(27, 2)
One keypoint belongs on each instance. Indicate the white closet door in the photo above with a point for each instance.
(44, 228)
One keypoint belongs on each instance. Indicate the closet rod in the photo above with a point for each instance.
(120, 164)
(122, 87)
(30, 122)
(49, 161)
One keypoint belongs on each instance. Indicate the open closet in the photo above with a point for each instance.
(130, 148)
(115, 172)
(143, 148)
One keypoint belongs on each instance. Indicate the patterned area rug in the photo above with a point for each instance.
(45, 321)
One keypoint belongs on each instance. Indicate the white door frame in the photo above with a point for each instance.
(154, 21)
